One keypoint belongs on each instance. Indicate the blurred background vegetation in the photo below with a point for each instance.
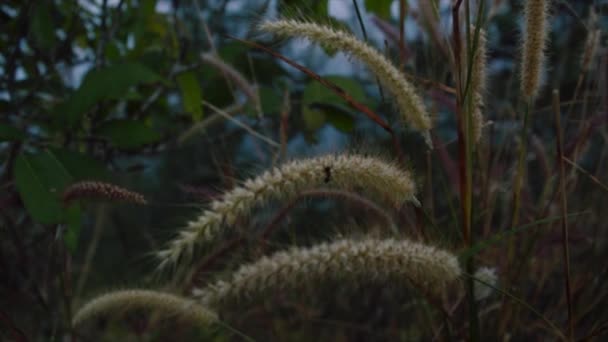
(128, 92)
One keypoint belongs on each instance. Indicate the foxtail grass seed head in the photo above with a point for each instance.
(344, 261)
(100, 190)
(369, 175)
(409, 103)
(168, 305)
(478, 84)
(535, 35)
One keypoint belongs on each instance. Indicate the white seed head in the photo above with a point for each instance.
(346, 261)
(408, 101)
(368, 175)
(167, 304)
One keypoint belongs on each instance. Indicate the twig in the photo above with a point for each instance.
(242, 125)
(402, 53)
(585, 172)
(208, 121)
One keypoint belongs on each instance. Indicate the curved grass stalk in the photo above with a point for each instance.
(167, 304)
(346, 261)
(408, 101)
(371, 176)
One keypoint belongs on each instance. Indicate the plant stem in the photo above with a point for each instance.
(521, 163)
(465, 150)
(564, 209)
(364, 31)
(519, 176)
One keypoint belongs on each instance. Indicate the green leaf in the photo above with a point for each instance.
(112, 51)
(271, 101)
(381, 8)
(128, 134)
(145, 11)
(313, 119)
(42, 25)
(339, 117)
(191, 94)
(10, 133)
(320, 104)
(80, 166)
(112, 82)
(40, 179)
(316, 92)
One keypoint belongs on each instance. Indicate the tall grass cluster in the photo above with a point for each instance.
(491, 231)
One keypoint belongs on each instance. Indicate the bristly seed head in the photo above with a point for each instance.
(166, 303)
(371, 176)
(478, 83)
(534, 43)
(345, 261)
(100, 190)
(409, 103)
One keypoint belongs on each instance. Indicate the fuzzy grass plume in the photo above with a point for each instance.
(370, 175)
(534, 43)
(346, 261)
(409, 103)
(478, 83)
(100, 190)
(167, 304)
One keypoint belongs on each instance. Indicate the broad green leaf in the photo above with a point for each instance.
(112, 51)
(320, 104)
(233, 52)
(10, 133)
(42, 25)
(313, 119)
(271, 102)
(128, 134)
(145, 11)
(191, 94)
(107, 83)
(339, 117)
(336, 115)
(381, 8)
(80, 166)
(316, 92)
(40, 179)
